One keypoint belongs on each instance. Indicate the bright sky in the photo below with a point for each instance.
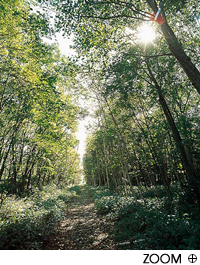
(81, 136)
(64, 45)
(146, 34)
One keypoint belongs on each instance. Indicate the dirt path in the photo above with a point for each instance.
(83, 228)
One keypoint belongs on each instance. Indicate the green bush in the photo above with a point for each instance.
(153, 223)
(27, 223)
(76, 189)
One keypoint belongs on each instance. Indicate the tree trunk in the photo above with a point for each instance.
(99, 175)
(178, 52)
(106, 164)
(30, 175)
(177, 138)
(5, 159)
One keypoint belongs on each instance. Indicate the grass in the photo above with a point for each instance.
(27, 223)
(152, 222)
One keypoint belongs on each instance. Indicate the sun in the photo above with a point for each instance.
(146, 34)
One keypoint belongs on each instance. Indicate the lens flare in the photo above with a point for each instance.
(146, 34)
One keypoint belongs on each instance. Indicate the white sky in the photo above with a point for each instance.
(64, 43)
(81, 136)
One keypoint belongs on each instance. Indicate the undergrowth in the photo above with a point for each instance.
(151, 222)
(27, 222)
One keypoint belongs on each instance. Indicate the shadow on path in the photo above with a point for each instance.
(83, 229)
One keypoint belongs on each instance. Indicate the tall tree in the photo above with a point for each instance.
(38, 116)
(98, 24)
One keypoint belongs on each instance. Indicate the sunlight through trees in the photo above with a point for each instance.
(133, 79)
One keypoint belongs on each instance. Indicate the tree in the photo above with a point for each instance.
(99, 24)
(38, 116)
(136, 97)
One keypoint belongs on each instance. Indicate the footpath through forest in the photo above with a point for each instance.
(83, 229)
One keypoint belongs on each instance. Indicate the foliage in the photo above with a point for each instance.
(75, 189)
(148, 122)
(146, 132)
(155, 223)
(38, 122)
(38, 115)
(27, 223)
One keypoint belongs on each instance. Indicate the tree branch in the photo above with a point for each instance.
(114, 17)
(158, 55)
(152, 5)
(154, 56)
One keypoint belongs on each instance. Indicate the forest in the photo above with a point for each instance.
(135, 74)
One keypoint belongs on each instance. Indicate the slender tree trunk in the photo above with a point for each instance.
(106, 163)
(177, 138)
(14, 172)
(122, 139)
(98, 169)
(155, 156)
(29, 175)
(93, 178)
(177, 50)
(158, 157)
(113, 173)
(25, 174)
(4, 160)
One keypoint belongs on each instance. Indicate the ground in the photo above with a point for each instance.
(83, 229)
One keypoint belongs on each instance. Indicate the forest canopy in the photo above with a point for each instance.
(147, 128)
(38, 115)
(147, 92)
